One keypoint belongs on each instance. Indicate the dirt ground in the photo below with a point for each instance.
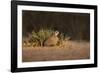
(71, 50)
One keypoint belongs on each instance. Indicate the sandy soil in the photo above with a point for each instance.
(69, 51)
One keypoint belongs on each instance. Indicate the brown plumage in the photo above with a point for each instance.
(52, 40)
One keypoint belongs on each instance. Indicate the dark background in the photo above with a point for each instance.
(75, 25)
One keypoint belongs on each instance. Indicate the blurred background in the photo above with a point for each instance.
(75, 25)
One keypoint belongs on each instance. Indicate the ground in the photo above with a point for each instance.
(70, 50)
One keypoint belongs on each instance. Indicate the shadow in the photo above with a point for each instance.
(8, 70)
(16, 72)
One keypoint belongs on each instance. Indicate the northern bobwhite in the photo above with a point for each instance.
(52, 40)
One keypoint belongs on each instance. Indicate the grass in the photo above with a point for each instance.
(38, 37)
(33, 49)
(70, 50)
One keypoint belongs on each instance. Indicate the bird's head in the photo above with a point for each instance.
(56, 33)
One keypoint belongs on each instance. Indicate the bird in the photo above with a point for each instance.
(52, 40)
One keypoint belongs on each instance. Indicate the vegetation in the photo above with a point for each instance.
(76, 25)
(42, 24)
(73, 51)
(40, 36)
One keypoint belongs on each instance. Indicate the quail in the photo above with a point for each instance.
(52, 40)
